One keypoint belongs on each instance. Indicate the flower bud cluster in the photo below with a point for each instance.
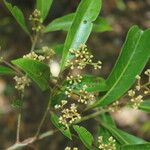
(111, 145)
(143, 89)
(114, 107)
(69, 148)
(21, 82)
(68, 115)
(34, 56)
(36, 19)
(48, 52)
(135, 100)
(82, 58)
(83, 96)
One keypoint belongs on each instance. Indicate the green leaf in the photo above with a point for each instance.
(105, 117)
(94, 84)
(81, 27)
(39, 72)
(121, 136)
(64, 23)
(18, 15)
(85, 136)
(58, 98)
(145, 146)
(145, 106)
(101, 25)
(64, 130)
(58, 49)
(6, 71)
(134, 56)
(44, 6)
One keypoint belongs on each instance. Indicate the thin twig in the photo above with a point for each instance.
(51, 132)
(13, 67)
(43, 119)
(34, 41)
(18, 128)
(31, 140)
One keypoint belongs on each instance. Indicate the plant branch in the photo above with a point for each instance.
(42, 120)
(31, 140)
(18, 128)
(34, 41)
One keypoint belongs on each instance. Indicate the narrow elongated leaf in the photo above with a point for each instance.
(105, 117)
(39, 72)
(18, 15)
(85, 136)
(81, 27)
(123, 137)
(134, 56)
(64, 130)
(136, 147)
(6, 71)
(101, 25)
(44, 6)
(64, 23)
(145, 106)
(94, 84)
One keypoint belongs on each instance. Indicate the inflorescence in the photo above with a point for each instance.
(47, 54)
(110, 145)
(68, 115)
(69, 148)
(137, 94)
(21, 82)
(74, 89)
(36, 20)
(82, 58)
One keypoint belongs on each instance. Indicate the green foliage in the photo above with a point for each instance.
(85, 136)
(86, 13)
(63, 129)
(72, 93)
(145, 106)
(136, 50)
(145, 146)
(37, 71)
(64, 23)
(6, 71)
(18, 15)
(94, 84)
(43, 6)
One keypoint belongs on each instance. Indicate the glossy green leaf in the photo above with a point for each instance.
(39, 72)
(134, 56)
(85, 136)
(64, 23)
(105, 117)
(44, 6)
(94, 84)
(6, 71)
(58, 49)
(18, 15)
(145, 106)
(121, 136)
(64, 130)
(101, 25)
(145, 146)
(81, 27)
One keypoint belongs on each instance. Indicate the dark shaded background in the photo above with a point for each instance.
(105, 46)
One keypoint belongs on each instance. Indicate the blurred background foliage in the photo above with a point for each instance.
(121, 14)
